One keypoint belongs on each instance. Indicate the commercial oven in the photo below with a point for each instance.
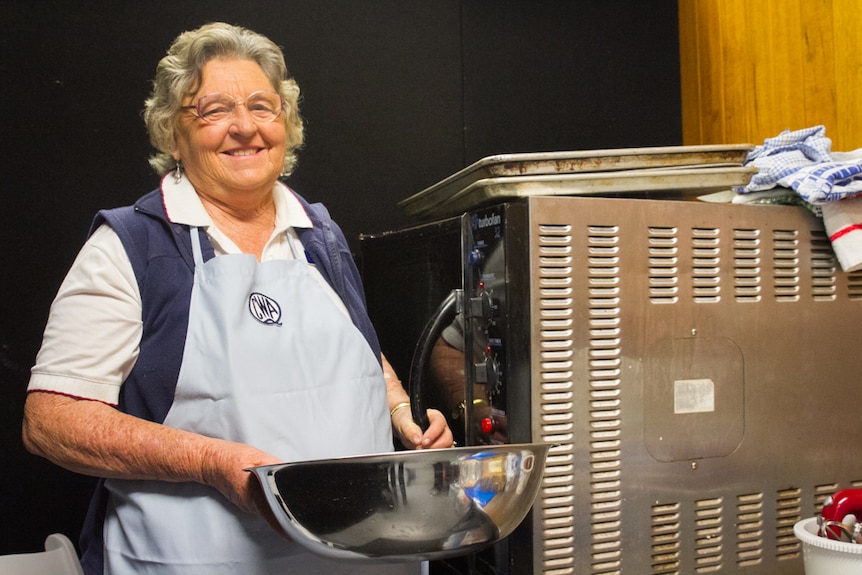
(695, 366)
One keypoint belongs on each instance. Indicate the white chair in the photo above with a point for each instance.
(58, 558)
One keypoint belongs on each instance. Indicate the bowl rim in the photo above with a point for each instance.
(415, 453)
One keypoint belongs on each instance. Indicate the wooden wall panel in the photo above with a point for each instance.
(752, 68)
(848, 69)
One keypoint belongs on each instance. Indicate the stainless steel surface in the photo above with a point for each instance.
(407, 505)
(654, 183)
(499, 176)
(694, 364)
(689, 361)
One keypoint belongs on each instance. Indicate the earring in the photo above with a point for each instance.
(178, 173)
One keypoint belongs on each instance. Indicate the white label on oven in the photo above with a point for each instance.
(693, 396)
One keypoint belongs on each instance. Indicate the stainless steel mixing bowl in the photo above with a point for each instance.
(406, 505)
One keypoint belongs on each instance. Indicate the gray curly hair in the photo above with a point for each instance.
(179, 75)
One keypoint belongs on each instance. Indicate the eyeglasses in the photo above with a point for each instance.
(218, 107)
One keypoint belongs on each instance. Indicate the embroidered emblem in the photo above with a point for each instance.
(264, 309)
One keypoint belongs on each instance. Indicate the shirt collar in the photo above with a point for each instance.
(183, 205)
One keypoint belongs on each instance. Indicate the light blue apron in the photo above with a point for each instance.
(272, 362)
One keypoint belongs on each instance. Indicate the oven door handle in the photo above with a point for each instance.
(422, 353)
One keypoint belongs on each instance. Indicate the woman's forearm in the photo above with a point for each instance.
(92, 438)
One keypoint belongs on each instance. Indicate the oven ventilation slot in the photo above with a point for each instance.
(749, 530)
(785, 265)
(706, 265)
(557, 397)
(746, 265)
(663, 265)
(605, 406)
(788, 511)
(708, 535)
(665, 525)
(823, 267)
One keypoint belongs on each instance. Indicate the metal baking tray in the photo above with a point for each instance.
(666, 183)
(576, 162)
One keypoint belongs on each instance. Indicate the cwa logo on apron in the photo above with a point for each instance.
(264, 309)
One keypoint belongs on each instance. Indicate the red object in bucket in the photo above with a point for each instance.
(836, 508)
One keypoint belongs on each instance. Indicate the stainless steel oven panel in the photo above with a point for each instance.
(696, 367)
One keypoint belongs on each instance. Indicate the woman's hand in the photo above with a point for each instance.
(224, 469)
(411, 436)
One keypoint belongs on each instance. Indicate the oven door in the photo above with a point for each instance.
(443, 324)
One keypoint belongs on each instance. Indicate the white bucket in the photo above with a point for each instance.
(823, 556)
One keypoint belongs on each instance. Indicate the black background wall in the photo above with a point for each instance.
(397, 95)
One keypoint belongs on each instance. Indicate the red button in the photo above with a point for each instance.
(487, 425)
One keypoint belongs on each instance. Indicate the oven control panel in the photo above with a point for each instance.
(483, 234)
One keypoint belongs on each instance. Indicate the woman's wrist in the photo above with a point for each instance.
(398, 407)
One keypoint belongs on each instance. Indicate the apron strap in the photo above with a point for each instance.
(196, 246)
(297, 248)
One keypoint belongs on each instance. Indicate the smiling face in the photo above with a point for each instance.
(241, 158)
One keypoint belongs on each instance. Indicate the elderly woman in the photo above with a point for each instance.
(215, 325)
